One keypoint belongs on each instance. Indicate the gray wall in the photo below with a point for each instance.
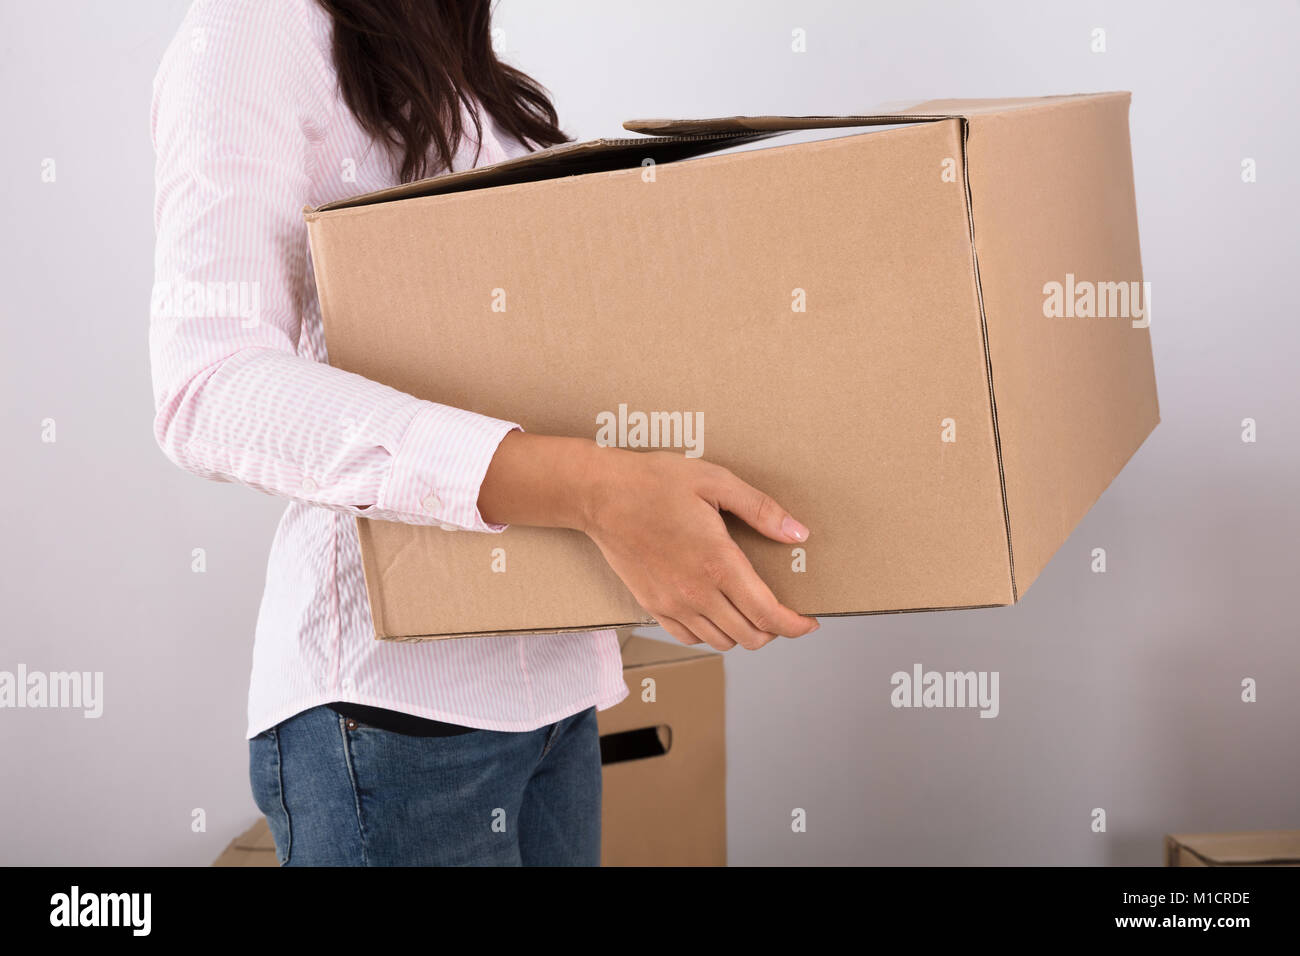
(1119, 690)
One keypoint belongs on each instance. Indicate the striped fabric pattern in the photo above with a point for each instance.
(248, 128)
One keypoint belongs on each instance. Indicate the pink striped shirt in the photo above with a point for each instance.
(248, 128)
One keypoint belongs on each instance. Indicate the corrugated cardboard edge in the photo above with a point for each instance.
(649, 621)
(916, 113)
(1177, 843)
(988, 357)
(517, 632)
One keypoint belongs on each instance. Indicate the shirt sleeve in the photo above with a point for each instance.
(240, 102)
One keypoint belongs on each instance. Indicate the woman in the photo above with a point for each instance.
(478, 751)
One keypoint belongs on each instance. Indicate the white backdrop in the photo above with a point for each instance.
(1119, 691)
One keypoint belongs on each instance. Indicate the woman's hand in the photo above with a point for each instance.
(655, 517)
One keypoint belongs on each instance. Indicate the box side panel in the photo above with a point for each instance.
(1052, 193)
(809, 310)
(670, 809)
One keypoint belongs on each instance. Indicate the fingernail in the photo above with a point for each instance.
(793, 529)
(816, 624)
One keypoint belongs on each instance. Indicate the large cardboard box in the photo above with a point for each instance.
(664, 768)
(1249, 848)
(926, 337)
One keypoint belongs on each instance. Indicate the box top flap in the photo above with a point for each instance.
(924, 112)
(668, 140)
(565, 159)
(1261, 846)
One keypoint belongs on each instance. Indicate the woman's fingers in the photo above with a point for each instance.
(754, 599)
(730, 621)
(737, 607)
(713, 636)
(678, 630)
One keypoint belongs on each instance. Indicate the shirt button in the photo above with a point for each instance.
(431, 503)
(448, 527)
(347, 683)
(308, 485)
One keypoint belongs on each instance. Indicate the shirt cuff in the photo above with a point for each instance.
(439, 467)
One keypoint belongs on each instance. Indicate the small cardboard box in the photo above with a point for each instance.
(927, 337)
(663, 753)
(1250, 848)
(254, 847)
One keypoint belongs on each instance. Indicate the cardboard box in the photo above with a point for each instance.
(254, 847)
(1251, 848)
(888, 331)
(663, 754)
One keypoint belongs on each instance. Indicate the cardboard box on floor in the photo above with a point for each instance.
(254, 847)
(663, 750)
(867, 325)
(663, 756)
(1250, 848)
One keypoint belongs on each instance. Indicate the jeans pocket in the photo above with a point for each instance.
(268, 790)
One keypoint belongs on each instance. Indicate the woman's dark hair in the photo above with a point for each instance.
(406, 66)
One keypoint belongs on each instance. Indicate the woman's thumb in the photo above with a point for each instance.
(759, 511)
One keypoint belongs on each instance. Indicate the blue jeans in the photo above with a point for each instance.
(340, 793)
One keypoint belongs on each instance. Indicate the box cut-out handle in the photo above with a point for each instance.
(639, 744)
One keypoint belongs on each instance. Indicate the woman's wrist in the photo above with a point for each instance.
(580, 480)
(544, 480)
